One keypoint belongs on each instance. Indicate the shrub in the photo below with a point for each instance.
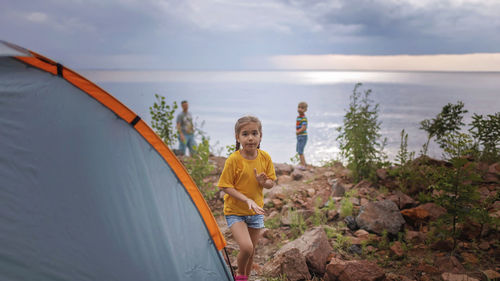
(162, 116)
(486, 132)
(448, 121)
(359, 137)
(199, 168)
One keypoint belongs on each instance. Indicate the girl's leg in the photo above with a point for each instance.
(255, 234)
(241, 234)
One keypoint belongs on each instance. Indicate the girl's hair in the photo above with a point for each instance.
(243, 121)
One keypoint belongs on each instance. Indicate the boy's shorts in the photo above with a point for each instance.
(255, 221)
(301, 143)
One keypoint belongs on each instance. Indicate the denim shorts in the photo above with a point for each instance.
(254, 221)
(301, 143)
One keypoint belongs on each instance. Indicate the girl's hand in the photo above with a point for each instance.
(261, 178)
(253, 206)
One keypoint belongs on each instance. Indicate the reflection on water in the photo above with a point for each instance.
(219, 98)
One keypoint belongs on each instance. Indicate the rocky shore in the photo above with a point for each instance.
(321, 226)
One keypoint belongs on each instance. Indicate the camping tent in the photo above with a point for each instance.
(87, 190)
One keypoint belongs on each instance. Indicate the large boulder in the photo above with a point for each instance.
(282, 169)
(290, 263)
(340, 270)
(314, 246)
(379, 216)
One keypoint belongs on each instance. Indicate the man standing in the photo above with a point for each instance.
(185, 129)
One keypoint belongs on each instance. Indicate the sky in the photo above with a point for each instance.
(461, 35)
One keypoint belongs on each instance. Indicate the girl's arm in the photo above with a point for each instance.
(240, 196)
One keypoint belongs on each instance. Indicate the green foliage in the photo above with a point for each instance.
(359, 137)
(295, 159)
(404, 172)
(486, 132)
(199, 168)
(346, 205)
(456, 192)
(230, 149)
(319, 217)
(297, 224)
(330, 205)
(273, 223)
(162, 116)
(448, 121)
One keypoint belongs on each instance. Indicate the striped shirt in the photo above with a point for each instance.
(301, 120)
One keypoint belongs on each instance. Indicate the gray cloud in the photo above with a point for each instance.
(230, 33)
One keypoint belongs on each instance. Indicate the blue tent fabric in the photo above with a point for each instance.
(84, 197)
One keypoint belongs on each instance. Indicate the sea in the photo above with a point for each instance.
(218, 98)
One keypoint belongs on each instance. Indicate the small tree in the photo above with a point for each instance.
(359, 138)
(199, 168)
(162, 116)
(454, 186)
(449, 120)
(486, 132)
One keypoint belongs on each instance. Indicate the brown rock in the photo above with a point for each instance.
(491, 274)
(297, 175)
(379, 216)
(434, 210)
(447, 276)
(282, 169)
(484, 245)
(284, 179)
(382, 174)
(470, 258)
(290, 263)
(494, 168)
(449, 264)
(402, 200)
(314, 246)
(397, 249)
(415, 236)
(340, 270)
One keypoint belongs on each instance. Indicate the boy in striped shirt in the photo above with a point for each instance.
(301, 131)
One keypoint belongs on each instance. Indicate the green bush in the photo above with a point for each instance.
(199, 167)
(448, 121)
(486, 132)
(162, 116)
(359, 137)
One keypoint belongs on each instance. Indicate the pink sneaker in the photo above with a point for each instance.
(241, 278)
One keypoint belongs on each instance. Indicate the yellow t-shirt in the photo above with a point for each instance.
(239, 174)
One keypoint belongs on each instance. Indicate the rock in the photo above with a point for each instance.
(442, 245)
(494, 168)
(338, 189)
(332, 214)
(484, 245)
(382, 174)
(355, 249)
(414, 236)
(311, 192)
(351, 223)
(361, 233)
(402, 200)
(397, 249)
(340, 270)
(449, 264)
(283, 169)
(447, 276)
(379, 216)
(314, 246)
(491, 274)
(434, 210)
(297, 175)
(290, 263)
(284, 179)
(470, 258)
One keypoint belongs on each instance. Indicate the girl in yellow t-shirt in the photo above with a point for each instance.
(246, 172)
